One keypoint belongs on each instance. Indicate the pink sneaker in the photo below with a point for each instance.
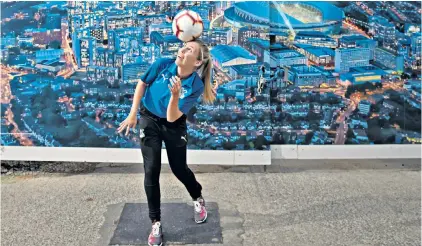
(200, 213)
(156, 236)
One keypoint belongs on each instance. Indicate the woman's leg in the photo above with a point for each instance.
(176, 146)
(151, 144)
(176, 152)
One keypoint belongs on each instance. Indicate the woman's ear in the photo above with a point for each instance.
(198, 63)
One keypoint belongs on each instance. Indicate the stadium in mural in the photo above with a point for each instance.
(305, 73)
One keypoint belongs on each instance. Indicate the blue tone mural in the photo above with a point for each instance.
(287, 72)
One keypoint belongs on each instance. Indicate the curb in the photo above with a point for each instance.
(277, 166)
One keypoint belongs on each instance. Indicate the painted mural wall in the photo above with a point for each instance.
(287, 72)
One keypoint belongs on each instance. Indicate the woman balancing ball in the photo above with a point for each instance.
(168, 90)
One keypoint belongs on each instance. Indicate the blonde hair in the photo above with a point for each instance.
(204, 71)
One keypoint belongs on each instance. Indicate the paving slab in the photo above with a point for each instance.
(180, 229)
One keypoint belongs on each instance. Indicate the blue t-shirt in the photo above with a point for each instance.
(157, 94)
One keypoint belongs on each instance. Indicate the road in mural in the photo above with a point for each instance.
(313, 73)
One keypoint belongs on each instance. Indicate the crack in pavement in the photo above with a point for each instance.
(242, 226)
(232, 223)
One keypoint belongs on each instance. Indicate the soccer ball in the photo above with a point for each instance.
(187, 25)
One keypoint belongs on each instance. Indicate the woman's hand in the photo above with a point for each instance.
(175, 86)
(128, 123)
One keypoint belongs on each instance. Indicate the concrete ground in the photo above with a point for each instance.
(283, 205)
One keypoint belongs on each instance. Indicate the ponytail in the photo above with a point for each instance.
(208, 96)
(205, 71)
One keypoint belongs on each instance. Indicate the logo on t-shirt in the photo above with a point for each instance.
(165, 78)
(183, 93)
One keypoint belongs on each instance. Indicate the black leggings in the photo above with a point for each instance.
(153, 131)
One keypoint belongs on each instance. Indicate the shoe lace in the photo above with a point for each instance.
(198, 206)
(156, 229)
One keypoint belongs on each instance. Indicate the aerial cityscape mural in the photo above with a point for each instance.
(305, 73)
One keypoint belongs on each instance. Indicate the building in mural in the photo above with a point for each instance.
(298, 72)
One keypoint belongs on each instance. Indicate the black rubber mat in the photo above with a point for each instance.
(178, 225)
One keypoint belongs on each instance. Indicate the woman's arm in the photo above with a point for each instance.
(178, 106)
(139, 93)
(173, 111)
(130, 121)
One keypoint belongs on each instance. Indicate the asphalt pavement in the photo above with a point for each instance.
(317, 206)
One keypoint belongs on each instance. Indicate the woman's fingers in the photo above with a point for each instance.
(171, 88)
(126, 127)
(175, 85)
(121, 128)
(121, 123)
(175, 80)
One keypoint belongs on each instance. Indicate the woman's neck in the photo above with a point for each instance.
(183, 73)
